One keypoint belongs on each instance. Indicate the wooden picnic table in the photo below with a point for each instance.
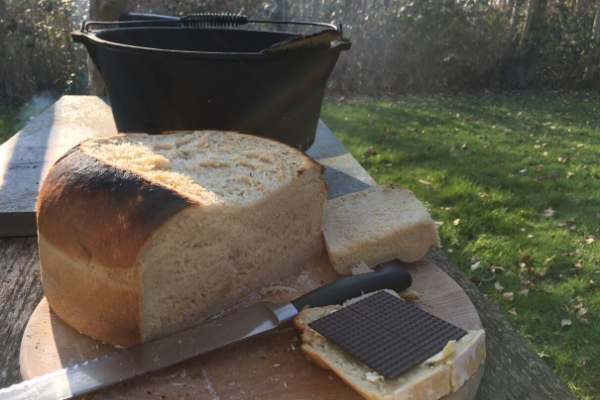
(512, 370)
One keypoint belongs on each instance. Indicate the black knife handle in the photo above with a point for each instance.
(389, 275)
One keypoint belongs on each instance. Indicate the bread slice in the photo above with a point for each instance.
(437, 377)
(377, 225)
(142, 235)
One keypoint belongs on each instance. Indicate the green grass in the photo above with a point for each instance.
(9, 123)
(515, 181)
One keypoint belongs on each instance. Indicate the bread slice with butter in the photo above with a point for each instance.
(440, 375)
(143, 235)
(377, 225)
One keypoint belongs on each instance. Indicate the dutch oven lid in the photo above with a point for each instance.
(137, 31)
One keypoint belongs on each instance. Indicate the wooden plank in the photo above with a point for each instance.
(265, 367)
(20, 291)
(26, 157)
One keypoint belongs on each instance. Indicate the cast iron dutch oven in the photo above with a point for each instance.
(208, 71)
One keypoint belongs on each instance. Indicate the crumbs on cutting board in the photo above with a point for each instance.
(277, 289)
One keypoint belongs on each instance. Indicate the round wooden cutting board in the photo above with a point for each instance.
(267, 367)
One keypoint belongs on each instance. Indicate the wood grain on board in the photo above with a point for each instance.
(26, 157)
(267, 367)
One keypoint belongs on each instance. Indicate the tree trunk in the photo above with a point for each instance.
(102, 10)
(596, 26)
(530, 17)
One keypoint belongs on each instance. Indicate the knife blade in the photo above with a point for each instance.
(237, 326)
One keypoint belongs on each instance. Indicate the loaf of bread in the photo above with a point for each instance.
(141, 235)
(377, 225)
(437, 377)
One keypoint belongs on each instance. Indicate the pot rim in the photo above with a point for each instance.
(87, 37)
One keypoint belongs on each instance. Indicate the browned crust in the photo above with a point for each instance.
(91, 210)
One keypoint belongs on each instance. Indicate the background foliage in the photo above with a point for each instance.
(399, 46)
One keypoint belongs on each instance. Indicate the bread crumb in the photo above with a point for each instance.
(163, 146)
(202, 141)
(446, 352)
(246, 164)
(212, 164)
(183, 140)
(373, 377)
(157, 161)
(269, 290)
(360, 268)
(244, 179)
(410, 295)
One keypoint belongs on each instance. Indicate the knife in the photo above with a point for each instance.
(241, 324)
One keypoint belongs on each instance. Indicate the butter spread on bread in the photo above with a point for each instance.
(435, 378)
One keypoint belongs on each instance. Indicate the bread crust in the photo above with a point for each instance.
(90, 209)
(89, 300)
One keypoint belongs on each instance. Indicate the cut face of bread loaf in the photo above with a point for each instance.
(441, 375)
(141, 235)
(377, 225)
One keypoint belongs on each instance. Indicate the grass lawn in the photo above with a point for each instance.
(514, 180)
(9, 123)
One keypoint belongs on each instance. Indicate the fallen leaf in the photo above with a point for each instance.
(424, 182)
(578, 265)
(523, 171)
(548, 260)
(456, 222)
(549, 212)
(590, 239)
(582, 311)
(370, 152)
(591, 284)
(508, 296)
(495, 269)
(565, 323)
(570, 174)
(524, 292)
(476, 266)
(512, 311)
(498, 287)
